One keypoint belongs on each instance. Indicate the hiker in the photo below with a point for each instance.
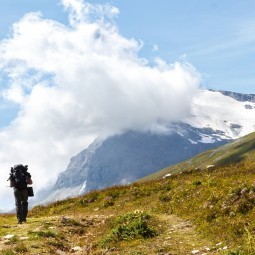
(19, 179)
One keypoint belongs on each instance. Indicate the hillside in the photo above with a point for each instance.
(196, 212)
(243, 149)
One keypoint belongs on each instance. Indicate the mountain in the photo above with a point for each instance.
(216, 118)
(238, 151)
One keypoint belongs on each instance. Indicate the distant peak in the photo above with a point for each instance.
(242, 97)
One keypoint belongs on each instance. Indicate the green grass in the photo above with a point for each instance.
(220, 203)
(129, 226)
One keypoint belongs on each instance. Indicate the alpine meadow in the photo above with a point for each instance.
(188, 208)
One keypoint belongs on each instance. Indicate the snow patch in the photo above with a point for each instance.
(192, 142)
(83, 188)
(206, 139)
(211, 109)
(179, 133)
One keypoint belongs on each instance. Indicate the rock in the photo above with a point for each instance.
(76, 248)
(9, 236)
(210, 167)
(195, 252)
(6, 226)
(167, 176)
(65, 220)
(24, 238)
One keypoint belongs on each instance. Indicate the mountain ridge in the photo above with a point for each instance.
(238, 96)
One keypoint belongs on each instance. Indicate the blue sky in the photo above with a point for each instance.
(71, 71)
(217, 37)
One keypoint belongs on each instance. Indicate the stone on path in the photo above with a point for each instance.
(24, 238)
(76, 248)
(195, 252)
(9, 236)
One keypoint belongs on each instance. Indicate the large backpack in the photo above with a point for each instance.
(19, 176)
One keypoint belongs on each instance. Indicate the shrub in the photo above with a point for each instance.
(139, 192)
(114, 193)
(167, 186)
(130, 226)
(60, 245)
(197, 183)
(89, 198)
(239, 200)
(211, 216)
(237, 229)
(164, 198)
(235, 253)
(43, 233)
(70, 222)
(108, 201)
(14, 239)
(21, 248)
(7, 252)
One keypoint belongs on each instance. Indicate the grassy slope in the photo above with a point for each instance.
(195, 210)
(237, 151)
(207, 210)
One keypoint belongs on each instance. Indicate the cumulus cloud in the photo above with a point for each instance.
(78, 81)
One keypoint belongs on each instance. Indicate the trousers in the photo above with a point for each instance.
(21, 198)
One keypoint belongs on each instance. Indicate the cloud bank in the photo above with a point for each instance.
(74, 82)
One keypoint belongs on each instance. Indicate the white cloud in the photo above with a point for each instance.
(81, 11)
(76, 82)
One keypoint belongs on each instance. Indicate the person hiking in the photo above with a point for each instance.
(19, 179)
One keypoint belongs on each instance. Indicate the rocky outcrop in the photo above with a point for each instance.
(239, 96)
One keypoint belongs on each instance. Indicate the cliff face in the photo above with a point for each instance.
(122, 159)
(78, 168)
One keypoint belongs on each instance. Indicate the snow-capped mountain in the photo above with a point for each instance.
(231, 113)
(216, 118)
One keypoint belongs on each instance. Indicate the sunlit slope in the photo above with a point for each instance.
(234, 152)
(196, 212)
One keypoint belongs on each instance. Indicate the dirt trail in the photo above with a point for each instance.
(182, 238)
(179, 237)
